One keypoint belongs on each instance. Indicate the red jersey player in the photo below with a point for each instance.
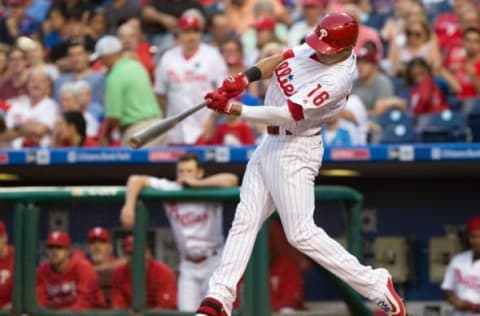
(100, 251)
(6, 269)
(161, 282)
(67, 280)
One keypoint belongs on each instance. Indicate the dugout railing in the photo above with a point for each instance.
(255, 297)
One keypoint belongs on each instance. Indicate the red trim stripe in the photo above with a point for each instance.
(295, 110)
(288, 54)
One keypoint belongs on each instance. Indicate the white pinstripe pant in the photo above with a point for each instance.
(280, 175)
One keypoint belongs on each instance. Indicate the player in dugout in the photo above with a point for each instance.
(196, 226)
(101, 256)
(461, 283)
(6, 269)
(161, 287)
(66, 280)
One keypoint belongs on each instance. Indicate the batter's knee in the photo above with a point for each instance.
(301, 236)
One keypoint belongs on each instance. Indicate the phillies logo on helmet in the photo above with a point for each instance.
(322, 33)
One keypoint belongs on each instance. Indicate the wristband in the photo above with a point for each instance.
(253, 74)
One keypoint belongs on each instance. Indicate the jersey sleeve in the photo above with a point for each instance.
(86, 287)
(160, 85)
(164, 287)
(119, 298)
(41, 287)
(448, 283)
(163, 184)
(318, 100)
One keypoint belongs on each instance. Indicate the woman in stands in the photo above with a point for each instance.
(419, 42)
(425, 97)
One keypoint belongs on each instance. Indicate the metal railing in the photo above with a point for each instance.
(255, 298)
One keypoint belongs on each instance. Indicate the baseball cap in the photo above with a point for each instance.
(2, 228)
(190, 20)
(265, 23)
(107, 45)
(98, 233)
(367, 55)
(473, 224)
(58, 238)
(128, 244)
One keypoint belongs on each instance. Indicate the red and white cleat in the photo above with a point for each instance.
(391, 303)
(210, 307)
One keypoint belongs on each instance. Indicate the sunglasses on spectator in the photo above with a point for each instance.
(414, 34)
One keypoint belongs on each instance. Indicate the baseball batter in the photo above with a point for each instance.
(310, 85)
(197, 227)
(184, 74)
(461, 283)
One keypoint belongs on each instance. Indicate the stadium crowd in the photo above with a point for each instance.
(92, 73)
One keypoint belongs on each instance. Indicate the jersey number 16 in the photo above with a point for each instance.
(318, 96)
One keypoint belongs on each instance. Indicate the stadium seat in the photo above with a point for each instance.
(392, 116)
(445, 126)
(397, 133)
(397, 127)
(472, 109)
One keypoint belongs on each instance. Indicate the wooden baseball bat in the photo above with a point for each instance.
(144, 136)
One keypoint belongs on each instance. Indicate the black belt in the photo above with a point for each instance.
(200, 259)
(275, 130)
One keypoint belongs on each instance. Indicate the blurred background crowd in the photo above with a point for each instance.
(61, 86)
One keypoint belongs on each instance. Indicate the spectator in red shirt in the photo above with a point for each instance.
(161, 287)
(6, 269)
(100, 251)
(426, 97)
(467, 68)
(448, 26)
(67, 280)
(232, 132)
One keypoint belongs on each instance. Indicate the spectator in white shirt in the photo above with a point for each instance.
(312, 10)
(31, 118)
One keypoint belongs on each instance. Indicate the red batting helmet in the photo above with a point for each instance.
(333, 33)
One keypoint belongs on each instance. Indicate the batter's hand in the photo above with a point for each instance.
(218, 101)
(234, 85)
(127, 216)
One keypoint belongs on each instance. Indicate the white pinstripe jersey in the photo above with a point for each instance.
(197, 226)
(185, 81)
(314, 92)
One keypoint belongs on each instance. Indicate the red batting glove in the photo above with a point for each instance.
(218, 101)
(234, 85)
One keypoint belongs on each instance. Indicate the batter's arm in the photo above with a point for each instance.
(268, 64)
(135, 184)
(219, 180)
(263, 114)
